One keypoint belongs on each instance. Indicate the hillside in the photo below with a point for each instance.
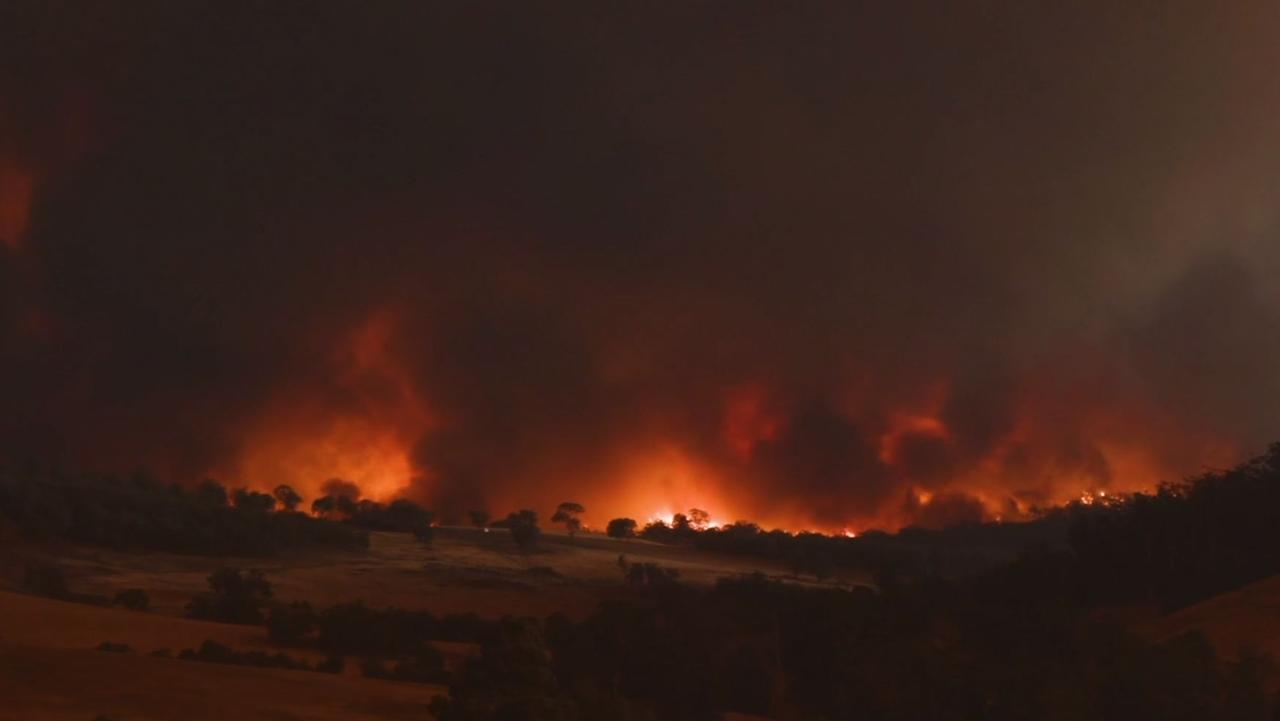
(463, 571)
(49, 672)
(1238, 621)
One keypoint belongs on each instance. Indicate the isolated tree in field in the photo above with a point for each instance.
(287, 497)
(621, 528)
(233, 597)
(480, 519)
(523, 526)
(567, 514)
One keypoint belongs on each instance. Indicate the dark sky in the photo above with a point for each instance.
(815, 263)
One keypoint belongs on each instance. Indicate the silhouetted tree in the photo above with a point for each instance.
(233, 597)
(139, 513)
(253, 501)
(567, 514)
(621, 528)
(523, 526)
(699, 519)
(211, 493)
(345, 506)
(287, 497)
(480, 519)
(657, 531)
(323, 506)
(681, 524)
(406, 515)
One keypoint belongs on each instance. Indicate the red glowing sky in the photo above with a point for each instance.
(831, 268)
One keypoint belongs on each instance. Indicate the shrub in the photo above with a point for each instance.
(523, 526)
(233, 597)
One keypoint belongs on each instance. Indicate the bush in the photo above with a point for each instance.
(523, 526)
(233, 597)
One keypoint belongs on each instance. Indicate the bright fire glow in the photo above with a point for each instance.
(366, 439)
(668, 517)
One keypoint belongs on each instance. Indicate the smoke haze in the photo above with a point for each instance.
(818, 266)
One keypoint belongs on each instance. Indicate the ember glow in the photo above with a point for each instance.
(497, 272)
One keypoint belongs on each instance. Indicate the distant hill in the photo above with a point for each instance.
(1235, 622)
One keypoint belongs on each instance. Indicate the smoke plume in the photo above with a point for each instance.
(822, 267)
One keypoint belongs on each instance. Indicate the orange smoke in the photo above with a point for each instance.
(747, 419)
(362, 430)
(364, 423)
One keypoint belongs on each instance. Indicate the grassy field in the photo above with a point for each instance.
(1244, 619)
(50, 672)
(463, 570)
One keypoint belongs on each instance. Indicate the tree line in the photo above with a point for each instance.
(140, 512)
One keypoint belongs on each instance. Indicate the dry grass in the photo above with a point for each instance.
(48, 670)
(50, 684)
(462, 571)
(1248, 618)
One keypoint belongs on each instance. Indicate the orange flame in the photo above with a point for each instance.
(365, 436)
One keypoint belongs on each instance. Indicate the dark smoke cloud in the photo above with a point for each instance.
(592, 226)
